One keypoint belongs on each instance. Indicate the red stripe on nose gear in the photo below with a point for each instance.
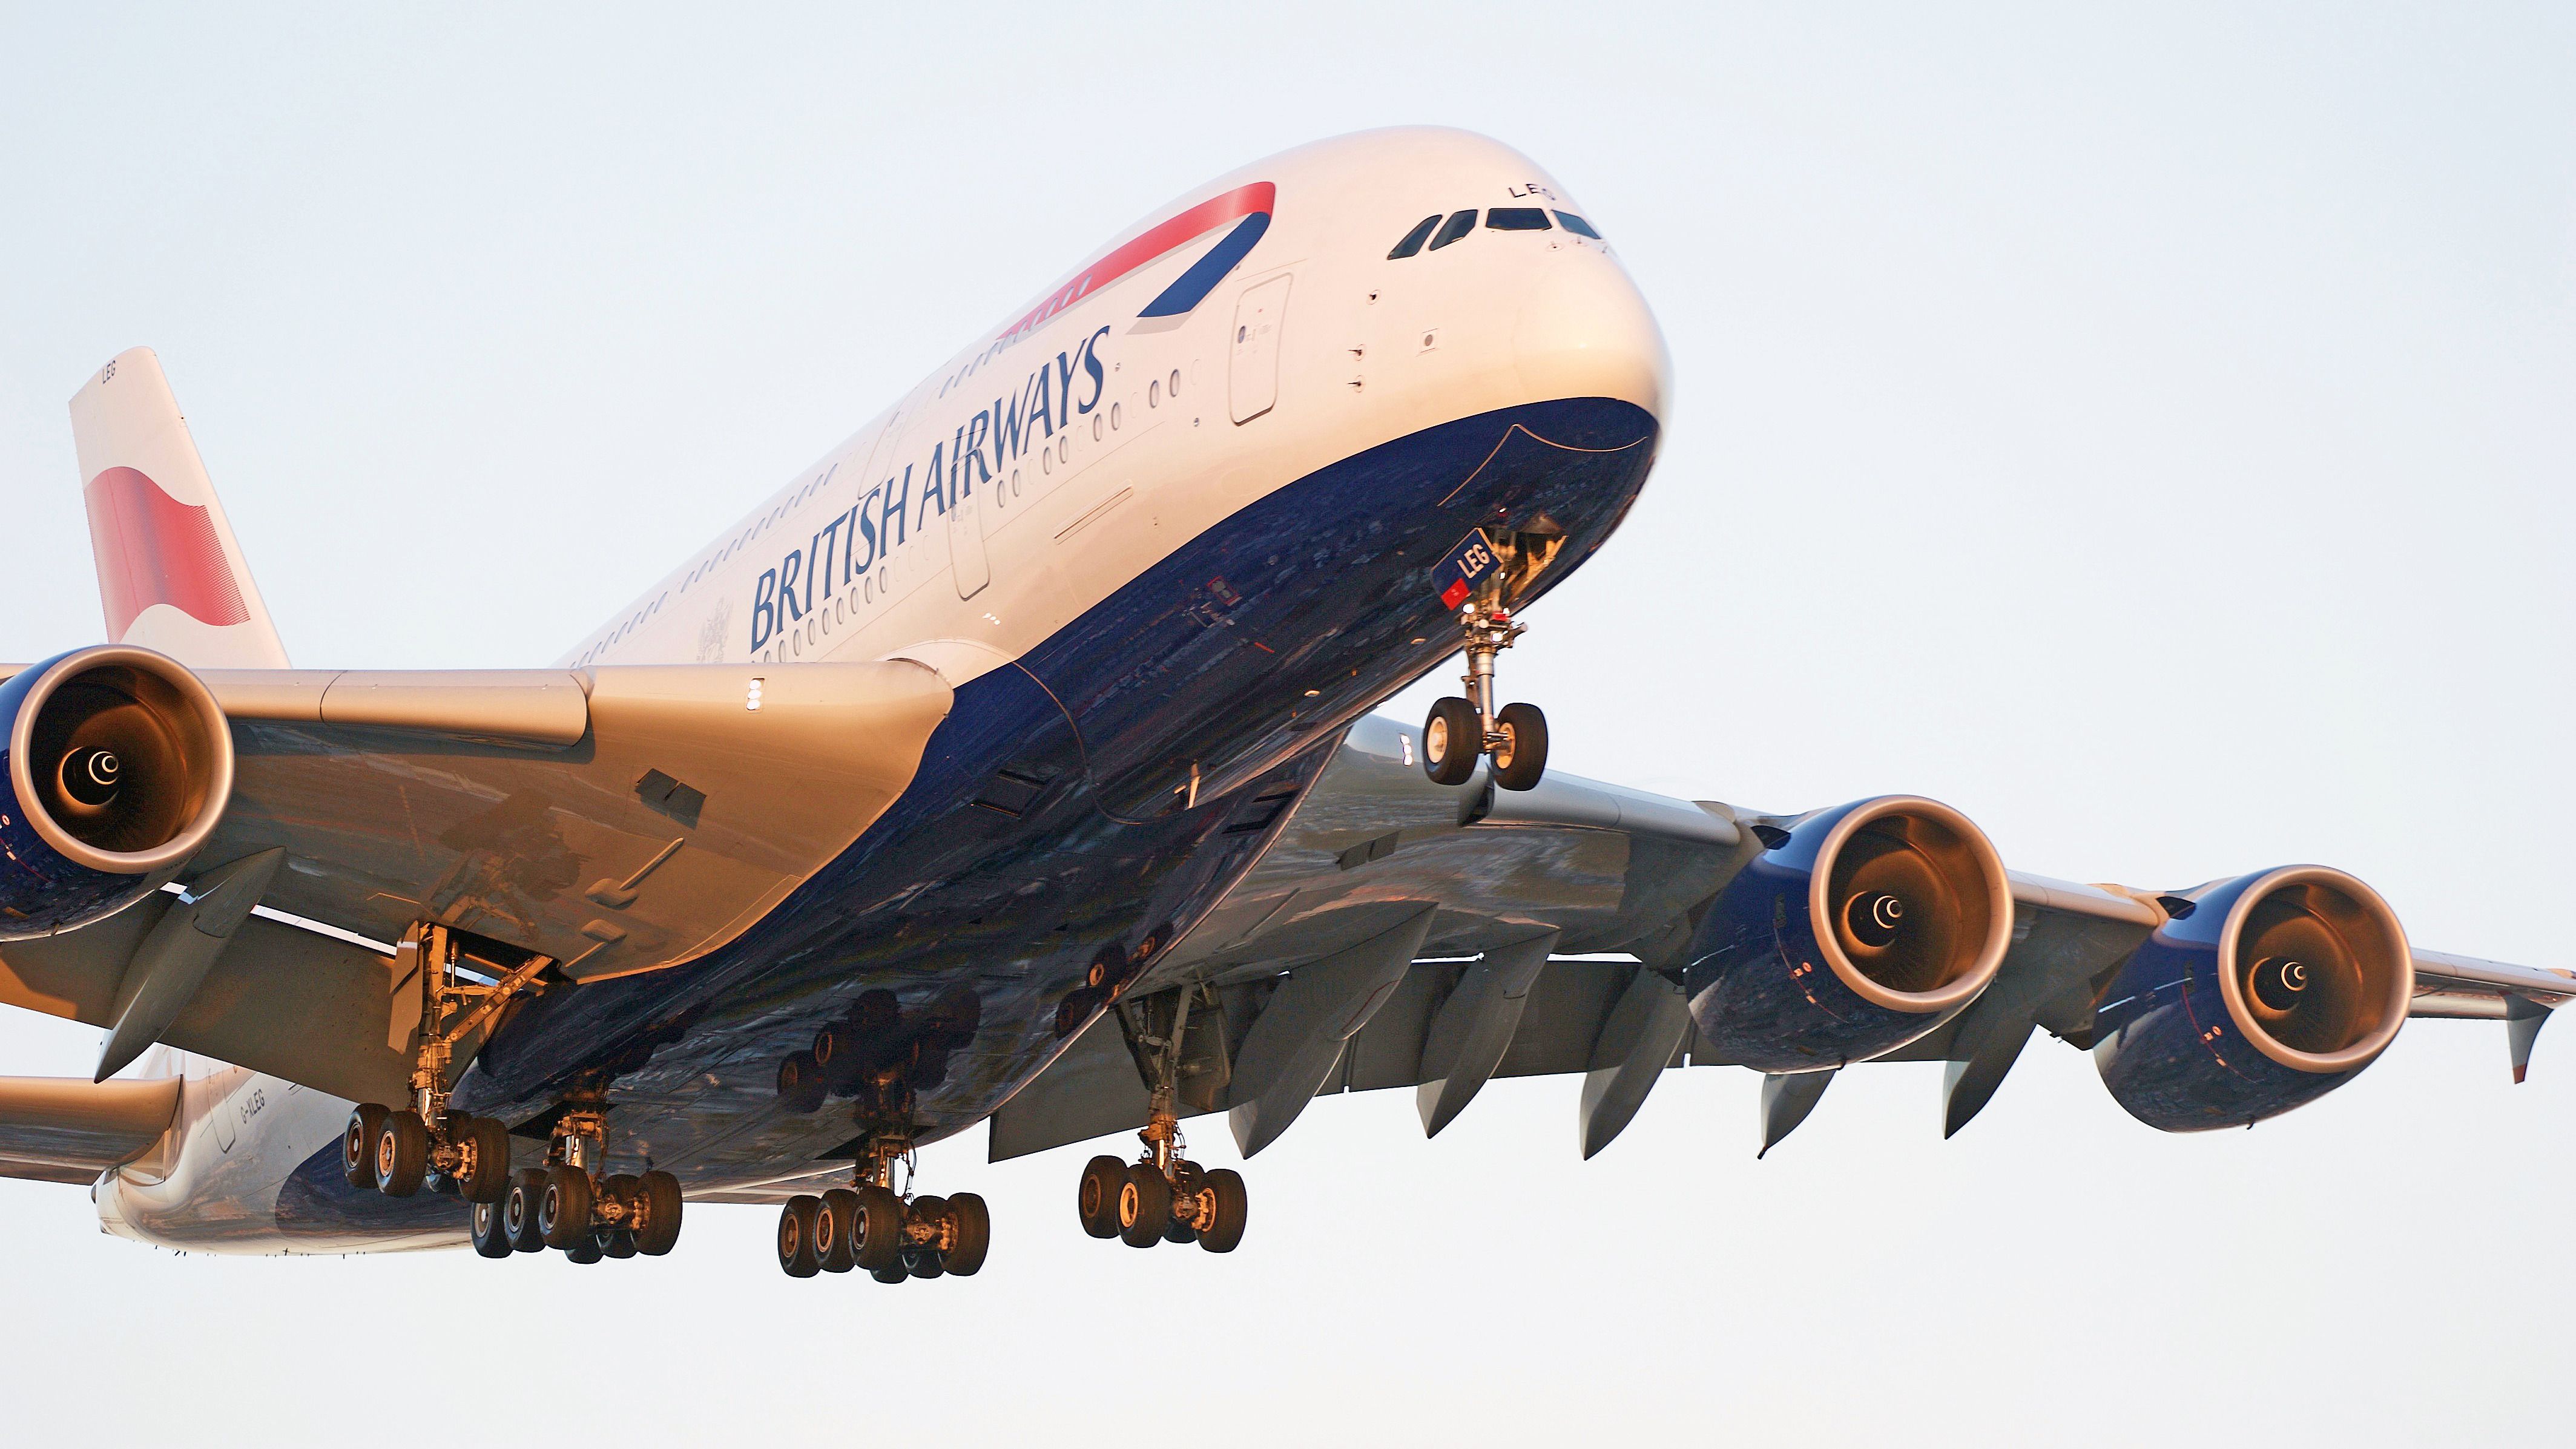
(153, 549)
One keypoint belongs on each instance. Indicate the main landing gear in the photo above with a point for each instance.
(868, 1225)
(1459, 730)
(1162, 1197)
(398, 1151)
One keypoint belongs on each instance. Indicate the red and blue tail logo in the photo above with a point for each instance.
(1247, 207)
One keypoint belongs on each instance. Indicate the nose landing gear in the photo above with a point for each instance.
(1459, 730)
(1485, 576)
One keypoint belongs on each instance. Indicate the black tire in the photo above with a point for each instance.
(585, 1251)
(970, 1237)
(1144, 1206)
(878, 1244)
(1519, 764)
(563, 1209)
(519, 1209)
(484, 1175)
(657, 1221)
(1102, 1177)
(358, 1144)
(796, 1236)
(922, 1262)
(836, 1220)
(617, 1243)
(402, 1154)
(1453, 738)
(490, 1231)
(895, 1274)
(801, 1087)
(1225, 1225)
(621, 1188)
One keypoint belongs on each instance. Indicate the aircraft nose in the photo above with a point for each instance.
(1585, 331)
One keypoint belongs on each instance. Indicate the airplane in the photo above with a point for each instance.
(1015, 766)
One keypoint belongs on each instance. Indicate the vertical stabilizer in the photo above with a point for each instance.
(170, 574)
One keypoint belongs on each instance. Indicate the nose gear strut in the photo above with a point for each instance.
(1484, 575)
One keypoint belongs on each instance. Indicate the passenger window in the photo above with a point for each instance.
(1516, 218)
(1458, 226)
(1412, 242)
(1577, 225)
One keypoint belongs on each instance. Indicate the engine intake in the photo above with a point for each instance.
(119, 764)
(2275, 989)
(1859, 932)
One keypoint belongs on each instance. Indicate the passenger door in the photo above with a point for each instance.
(1253, 378)
(966, 538)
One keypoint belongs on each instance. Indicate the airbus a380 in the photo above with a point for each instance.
(1014, 765)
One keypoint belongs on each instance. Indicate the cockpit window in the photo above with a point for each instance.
(1414, 239)
(1577, 225)
(1457, 226)
(1516, 218)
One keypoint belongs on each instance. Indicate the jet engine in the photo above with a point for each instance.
(2258, 995)
(119, 763)
(1860, 929)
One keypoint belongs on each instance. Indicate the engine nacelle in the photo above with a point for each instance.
(1860, 932)
(2275, 989)
(119, 763)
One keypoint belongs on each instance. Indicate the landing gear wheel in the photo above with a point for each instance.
(796, 1236)
(1453, 736)
(358, 1145)
(491, 1231)
(1102, 1178)
(1144, 1206)
(402, 1154)
(1522, 758)
(895, 1274)
(1179, 1231)
(878, 1245)
(836, 1219)
(484, 1175)
(922, 1260)
(519, 1209)
(801, 1088)
(585, 1251)
(1225, 1222)
(657, 1220)
(563, 1210)
(971, 1237)
(617, 1243)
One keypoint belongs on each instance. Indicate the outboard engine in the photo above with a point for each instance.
(2260, 994)
(119, 763)
(1860, 929)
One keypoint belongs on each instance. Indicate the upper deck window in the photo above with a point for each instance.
(1414, 239)
(1577, 225)
(1456, 227)
(1516, 218)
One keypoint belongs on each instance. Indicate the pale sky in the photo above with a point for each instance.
(2147, 430)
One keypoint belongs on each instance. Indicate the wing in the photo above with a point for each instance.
(606, 821)
(1402, 934)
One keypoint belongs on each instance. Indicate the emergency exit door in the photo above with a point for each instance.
(1253, 379)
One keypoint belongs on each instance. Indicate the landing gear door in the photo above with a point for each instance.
(1253, 380)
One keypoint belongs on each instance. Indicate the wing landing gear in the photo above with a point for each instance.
(870, 1226)
(1162, 1197)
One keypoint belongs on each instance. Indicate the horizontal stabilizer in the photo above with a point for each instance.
(64, 1129)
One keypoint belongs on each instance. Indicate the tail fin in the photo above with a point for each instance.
(170, 574)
